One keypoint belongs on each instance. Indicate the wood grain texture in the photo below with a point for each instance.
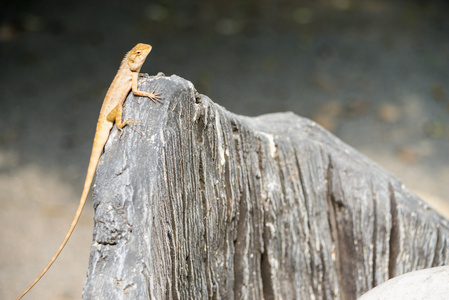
(212, 205)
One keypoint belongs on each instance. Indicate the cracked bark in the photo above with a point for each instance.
(211, 205)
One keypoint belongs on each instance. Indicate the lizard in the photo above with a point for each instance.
(110, 113)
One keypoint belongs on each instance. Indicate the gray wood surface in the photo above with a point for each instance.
(212, 205)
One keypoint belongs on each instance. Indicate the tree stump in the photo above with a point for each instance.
(207, 204)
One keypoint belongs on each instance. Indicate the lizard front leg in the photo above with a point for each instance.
(153, 96)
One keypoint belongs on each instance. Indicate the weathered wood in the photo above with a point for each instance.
(209, 204)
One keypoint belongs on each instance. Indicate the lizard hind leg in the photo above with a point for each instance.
(116, 116)
(129, 123)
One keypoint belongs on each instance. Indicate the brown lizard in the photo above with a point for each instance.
(111, 111)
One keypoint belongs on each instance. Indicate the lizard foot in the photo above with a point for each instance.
(155, 97)
(129, 123)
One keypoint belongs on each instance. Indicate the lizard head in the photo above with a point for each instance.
(137, 55)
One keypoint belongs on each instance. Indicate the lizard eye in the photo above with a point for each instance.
(138, 52)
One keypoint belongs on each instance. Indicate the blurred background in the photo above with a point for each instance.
(373, 72)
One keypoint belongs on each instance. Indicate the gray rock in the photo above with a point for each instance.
(430, 283)
(209, 204)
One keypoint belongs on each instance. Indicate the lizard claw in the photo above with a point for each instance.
(155, 97)
(129, 123)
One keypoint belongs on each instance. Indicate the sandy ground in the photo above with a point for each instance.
(373, 72)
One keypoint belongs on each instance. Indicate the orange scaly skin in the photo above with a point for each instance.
(111, 111)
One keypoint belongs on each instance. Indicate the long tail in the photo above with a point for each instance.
(97, 149)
